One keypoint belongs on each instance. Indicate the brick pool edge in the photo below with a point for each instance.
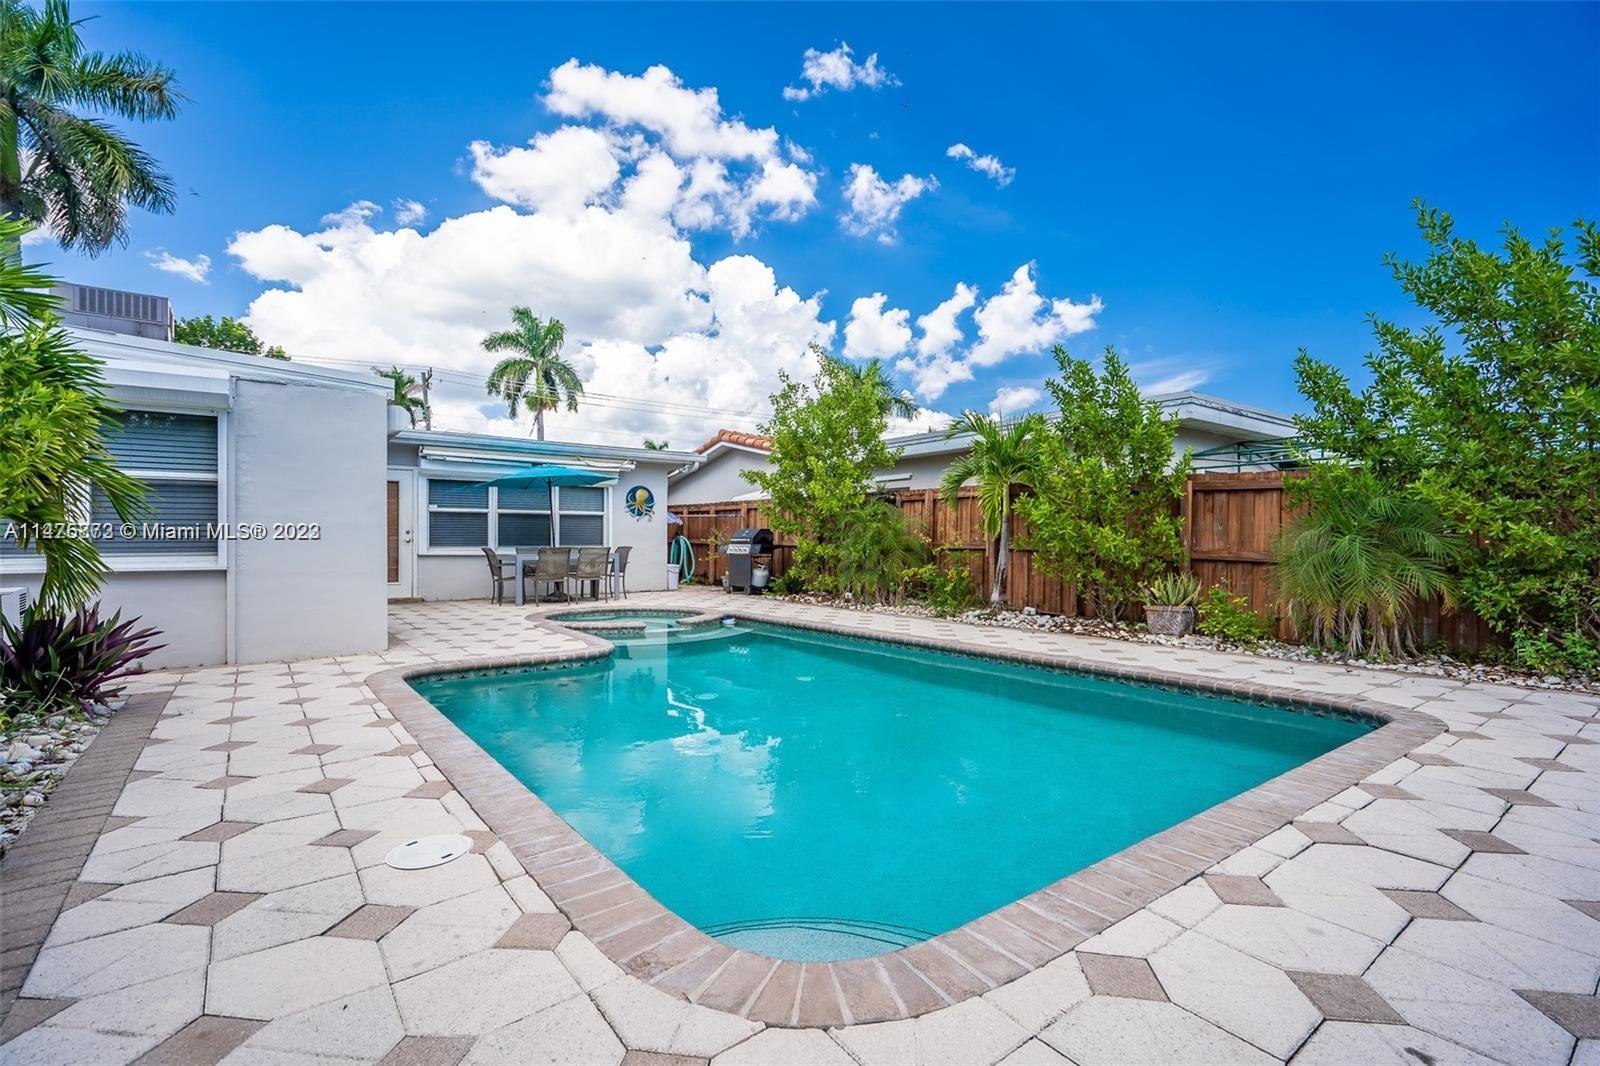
(653, 944)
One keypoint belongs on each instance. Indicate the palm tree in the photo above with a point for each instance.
(536, 375)
(73, 174)
(1362, 558)
(655, 445)
(891, 400)
(408, 394)
(1002, 456)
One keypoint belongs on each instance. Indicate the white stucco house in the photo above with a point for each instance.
(287, 505)
(1204, 423)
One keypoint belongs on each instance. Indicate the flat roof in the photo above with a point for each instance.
(438, 438)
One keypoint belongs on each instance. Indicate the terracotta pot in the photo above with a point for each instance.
(1169, 621)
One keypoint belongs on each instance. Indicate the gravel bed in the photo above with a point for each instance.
(35, 752)
(1432, 665)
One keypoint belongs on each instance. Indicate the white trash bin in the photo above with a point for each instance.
(672, 576)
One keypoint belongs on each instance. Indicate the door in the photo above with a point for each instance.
(400, 508)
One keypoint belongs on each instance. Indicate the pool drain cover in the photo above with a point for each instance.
(423, 852)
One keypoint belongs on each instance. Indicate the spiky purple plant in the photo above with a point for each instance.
(50, 662)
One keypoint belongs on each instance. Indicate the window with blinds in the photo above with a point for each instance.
(175, 455)
(462, 514)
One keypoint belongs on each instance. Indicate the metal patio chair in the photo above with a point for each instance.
(553, 568)
(501, 573)
(594, 564)
(619, 567)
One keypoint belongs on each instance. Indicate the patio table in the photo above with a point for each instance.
(523, 559)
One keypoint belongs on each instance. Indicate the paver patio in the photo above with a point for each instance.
(227, 901)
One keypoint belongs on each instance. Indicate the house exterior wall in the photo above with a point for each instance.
(717, 479)
(298, 598)
(189, 607)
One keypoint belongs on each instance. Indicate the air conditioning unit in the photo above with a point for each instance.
(13, 601)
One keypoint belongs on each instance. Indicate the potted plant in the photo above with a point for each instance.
(1169, 605)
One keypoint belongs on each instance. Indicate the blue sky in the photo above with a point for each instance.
(1222, 179)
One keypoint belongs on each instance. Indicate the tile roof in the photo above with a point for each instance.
(733, 436)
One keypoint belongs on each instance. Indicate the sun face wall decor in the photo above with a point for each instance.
(640, 502)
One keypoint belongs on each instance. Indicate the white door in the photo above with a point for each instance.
(401, 510)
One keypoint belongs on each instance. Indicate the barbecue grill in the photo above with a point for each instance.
(743, 549)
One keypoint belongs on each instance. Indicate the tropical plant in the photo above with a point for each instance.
(1361, 558)
(1102, 510)
(1173, 590)
(49, 663)
(877, 549)
(1002, 457)
(827, 442)
(946, 588)
(53, 420)
(75, 174)
(874, 377)
(1492, 415)
(655, 445)
(24, 289)
(536, 375)
(408, 394)
(224, 334)
(1226, 616)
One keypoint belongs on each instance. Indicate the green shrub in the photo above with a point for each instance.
(878, 546)
(1228, 617)
(1173, 590)
(1538, 651)
(945, 590)
(787, 583)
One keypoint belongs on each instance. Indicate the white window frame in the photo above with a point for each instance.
(116, 562)
(426, 546)
(429, 508)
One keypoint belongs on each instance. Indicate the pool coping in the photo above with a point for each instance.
(650, 942)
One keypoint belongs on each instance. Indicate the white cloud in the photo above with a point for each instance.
(563, 170)
(836, 70)
(1015, 321)
(410, 212)
(194, 270)
(352, 215)
(689, 121)
(983, 164)
(1018, 320)
(874, 204)
(1170, 374)
(876, 333)
(1014, 400)
(940, 330)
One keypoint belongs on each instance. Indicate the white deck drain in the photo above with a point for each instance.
(423, 852)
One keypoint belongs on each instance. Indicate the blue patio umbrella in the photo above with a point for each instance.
(549, 475)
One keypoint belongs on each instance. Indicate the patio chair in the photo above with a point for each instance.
(552, 569)
(619, 567)
(594, 564)
(500, 572)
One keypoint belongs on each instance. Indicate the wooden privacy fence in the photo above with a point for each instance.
(1230, 524)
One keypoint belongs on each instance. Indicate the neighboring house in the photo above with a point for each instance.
(717, 477)
(1204, 423)
(288, 502)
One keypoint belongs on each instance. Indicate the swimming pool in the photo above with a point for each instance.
(815, 797)
(624, 621)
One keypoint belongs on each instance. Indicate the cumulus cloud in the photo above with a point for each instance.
(410, 212)
(1014, 400)
(837, 70)
(1014, 321)
(690, 121)
(983, 164)
(1018, 320)
(195, 270)
(873, 205)
(874, 332)
(563, 170)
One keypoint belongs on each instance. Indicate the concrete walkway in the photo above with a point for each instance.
(235, 906)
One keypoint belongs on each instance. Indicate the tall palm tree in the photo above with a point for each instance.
(71, 173)
(536, 375)
(1003, 456)
(872, 373)
(408, 394)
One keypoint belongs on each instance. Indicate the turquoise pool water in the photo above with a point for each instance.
(816, 797)
(653, 621)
